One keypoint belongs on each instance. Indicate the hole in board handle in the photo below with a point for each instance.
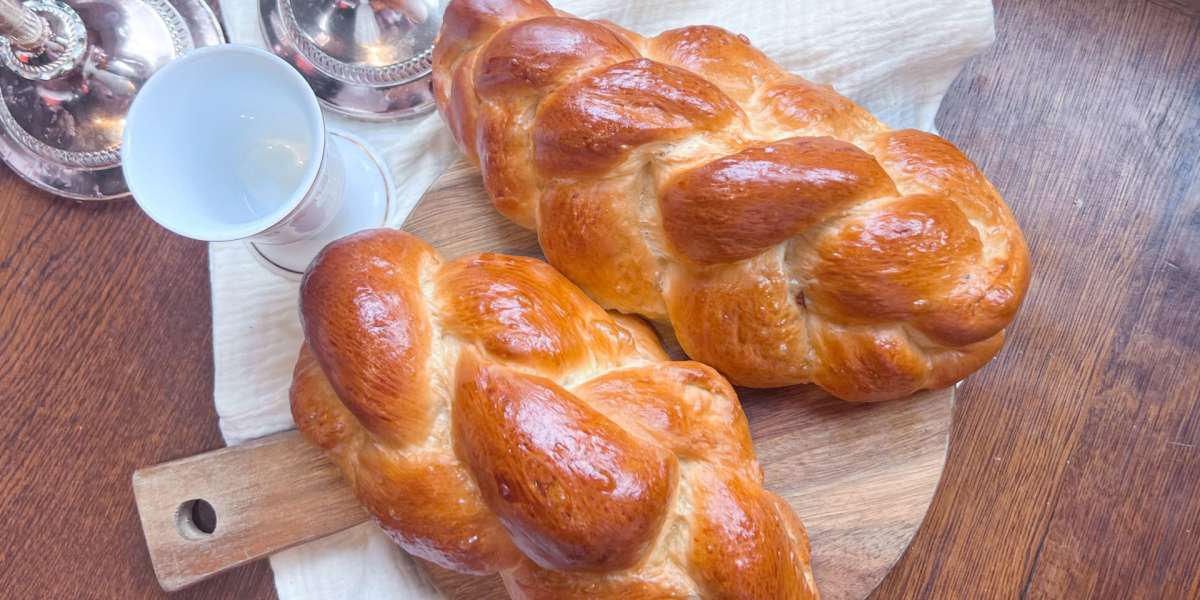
(196, 519)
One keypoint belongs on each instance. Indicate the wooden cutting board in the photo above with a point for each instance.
(861, 476)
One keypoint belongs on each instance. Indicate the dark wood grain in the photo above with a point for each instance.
(1190, 8)
(105, 366)
(1074, 467)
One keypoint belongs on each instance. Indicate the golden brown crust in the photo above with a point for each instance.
(534, 56)
(531, 582)
(794, 104)
(758, 308)
(589, 126)
(503, 422)
(582, 493)
(427, 504)
(371, 372)
(430, 505)
(592, 234)
(688, 407)
(744, 544)
(655, 169)
(737, 207)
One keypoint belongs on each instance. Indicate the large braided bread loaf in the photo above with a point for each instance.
(494, 419)
(786, 234)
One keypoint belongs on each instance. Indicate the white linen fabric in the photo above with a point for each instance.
(895, 57)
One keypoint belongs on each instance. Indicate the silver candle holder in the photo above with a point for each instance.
(70, 71)
(364, 59)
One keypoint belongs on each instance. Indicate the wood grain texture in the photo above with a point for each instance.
(1075, 456)
(105, 366)
(267, 495)
(1189, 8)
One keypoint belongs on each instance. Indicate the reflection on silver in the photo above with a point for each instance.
(367, 60)
(58, 50)
(62, 107)
(21, 26)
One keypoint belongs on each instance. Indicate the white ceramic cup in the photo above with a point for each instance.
(229, 143)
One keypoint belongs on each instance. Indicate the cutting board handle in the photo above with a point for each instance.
(266, 496)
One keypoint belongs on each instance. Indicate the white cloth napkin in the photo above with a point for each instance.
(896, 57)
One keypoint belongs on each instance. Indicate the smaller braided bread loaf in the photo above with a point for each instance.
(493, 419)
(786, 234)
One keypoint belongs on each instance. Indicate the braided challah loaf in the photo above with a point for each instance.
(494, 419)
(786, 234)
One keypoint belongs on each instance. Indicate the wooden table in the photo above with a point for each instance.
(1074, 465)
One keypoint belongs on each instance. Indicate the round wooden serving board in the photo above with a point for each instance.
(860, 476)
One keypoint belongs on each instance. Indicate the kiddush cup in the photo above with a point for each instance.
(229, 143)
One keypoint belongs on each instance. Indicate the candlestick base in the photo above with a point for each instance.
(62, 114)
(366, 60)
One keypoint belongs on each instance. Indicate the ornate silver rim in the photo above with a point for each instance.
(72, 39)
(180, 36)
(94, 159)
(89, 160)
(401, 72)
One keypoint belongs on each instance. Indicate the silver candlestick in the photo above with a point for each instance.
(70, 71)
(365, 59)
